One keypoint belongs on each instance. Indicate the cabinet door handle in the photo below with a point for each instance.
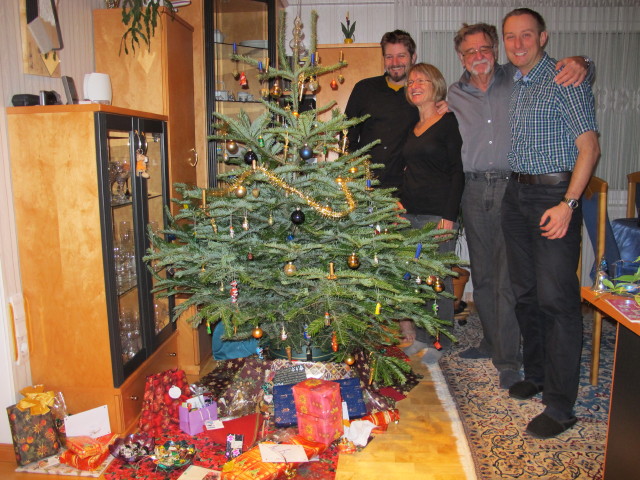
(135, 398)
(172, 354)
(195, 154)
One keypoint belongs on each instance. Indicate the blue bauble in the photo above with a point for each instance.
(250, 157)
(306, 152)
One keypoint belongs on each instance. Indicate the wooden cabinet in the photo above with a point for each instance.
(158, 79)
(363, 60)
(95, 328)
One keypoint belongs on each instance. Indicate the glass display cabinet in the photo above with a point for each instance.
(133, 172)
(88, 182)
(249, 27)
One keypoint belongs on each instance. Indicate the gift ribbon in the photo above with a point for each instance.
(36, 399)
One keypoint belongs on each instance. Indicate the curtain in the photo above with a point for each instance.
(607, 31)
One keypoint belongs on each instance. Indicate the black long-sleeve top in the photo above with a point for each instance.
(433, 178)
(391, 118)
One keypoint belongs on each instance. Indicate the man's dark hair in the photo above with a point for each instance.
(398, 36)
(489, 30)
(542, 27)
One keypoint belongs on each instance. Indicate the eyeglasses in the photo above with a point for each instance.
(486, 50)
(418, 82)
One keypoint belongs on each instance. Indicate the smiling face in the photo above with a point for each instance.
(397, 61)
(523, 41)
(419, 88)
(477, 54)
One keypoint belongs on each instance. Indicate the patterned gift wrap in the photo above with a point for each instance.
(34, 436)
(317, 397)
(351, 393)
(320, 429)
(249, 466)
(284, 406)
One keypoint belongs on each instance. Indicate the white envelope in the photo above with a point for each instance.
(93, 423)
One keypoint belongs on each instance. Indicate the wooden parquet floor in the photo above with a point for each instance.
(422, 446)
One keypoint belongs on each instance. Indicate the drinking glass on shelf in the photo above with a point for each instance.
(121, 179)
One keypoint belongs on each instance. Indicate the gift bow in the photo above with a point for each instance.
(36, 399)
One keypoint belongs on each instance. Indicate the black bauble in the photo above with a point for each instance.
(306, 152)
(297, 216)
(250, 157)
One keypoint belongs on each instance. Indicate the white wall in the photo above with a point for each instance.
(76, 60)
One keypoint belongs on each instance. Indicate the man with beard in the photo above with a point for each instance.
(391, 116)
(480, 100)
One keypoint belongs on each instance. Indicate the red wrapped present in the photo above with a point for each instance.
(320, 429)
(317, 397)
(32, 426)
(86, 453)
(382, 419)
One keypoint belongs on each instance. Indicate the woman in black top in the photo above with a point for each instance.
(433, 178)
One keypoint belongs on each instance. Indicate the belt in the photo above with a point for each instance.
(543, 179)
(488, 176)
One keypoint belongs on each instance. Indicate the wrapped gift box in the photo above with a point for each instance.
(317, 397)
(284, 407)
(34, 436)
(249, 466)
(320, 429)
(192, 422)
(351, 393)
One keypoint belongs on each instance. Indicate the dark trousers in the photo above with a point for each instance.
(547, 292)
(492, 295)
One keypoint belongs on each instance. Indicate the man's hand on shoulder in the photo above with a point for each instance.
(573, 71)
(442, 107)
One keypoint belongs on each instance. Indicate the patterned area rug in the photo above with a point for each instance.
(495, 423)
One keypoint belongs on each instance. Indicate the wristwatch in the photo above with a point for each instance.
(572, 202)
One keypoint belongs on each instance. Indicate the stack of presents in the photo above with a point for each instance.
(268, 415)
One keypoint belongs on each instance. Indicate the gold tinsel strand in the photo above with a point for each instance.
(278, 182)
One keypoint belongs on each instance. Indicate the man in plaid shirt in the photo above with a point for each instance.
(554, 151)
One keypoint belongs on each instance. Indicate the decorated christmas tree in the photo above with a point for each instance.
(295, 249)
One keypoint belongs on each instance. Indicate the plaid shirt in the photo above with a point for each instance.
(546, 119)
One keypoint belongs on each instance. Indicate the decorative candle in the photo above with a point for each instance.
(235, 48)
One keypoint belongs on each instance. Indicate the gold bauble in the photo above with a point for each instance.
(353, 170)
(349, 359)
(353, 261)
(232, 147)
(438, 286)
(255, 192)
(257, 332)
(290, 268)
(431, 279)
(241, 191)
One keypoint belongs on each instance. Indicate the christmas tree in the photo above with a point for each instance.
(295, 249)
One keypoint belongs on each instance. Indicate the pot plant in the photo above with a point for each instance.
(348, 30)
(141, 18)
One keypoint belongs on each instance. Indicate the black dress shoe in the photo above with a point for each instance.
(524, 390)
(543, 426)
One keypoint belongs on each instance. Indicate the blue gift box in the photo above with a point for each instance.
(285, 409)
(351, 393)
(283, 406)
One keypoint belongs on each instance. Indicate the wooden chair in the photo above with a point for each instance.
(633, 194)
(596, 191)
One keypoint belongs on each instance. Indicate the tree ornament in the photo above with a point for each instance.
(221, 287)
(431, 279)
(245, 223)
(283, 334)
(232, 147)
(234, 291)
(340, 78)
(327, 319)
(375, 259)
(290, 269)
(297, 216)
(250, 157)
(353, 170)
(276, 91)
(257, 332)
(438, 285)
(290, 237)
(378, 308)
(418, 280)
(288, 350)
(353, 261)
(306, 152)
(255, 192)
(334, 342)
(332, 274)
(232, 232)
(244, 83)
(260, 141)
(333, 84)
(349, 360)
(313, 84)
(241, 191)
(214, 225)
(250, 256)
(270, 219)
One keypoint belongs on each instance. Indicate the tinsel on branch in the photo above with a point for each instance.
(295, 249)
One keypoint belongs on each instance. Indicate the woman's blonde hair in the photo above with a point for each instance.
(433, 74)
